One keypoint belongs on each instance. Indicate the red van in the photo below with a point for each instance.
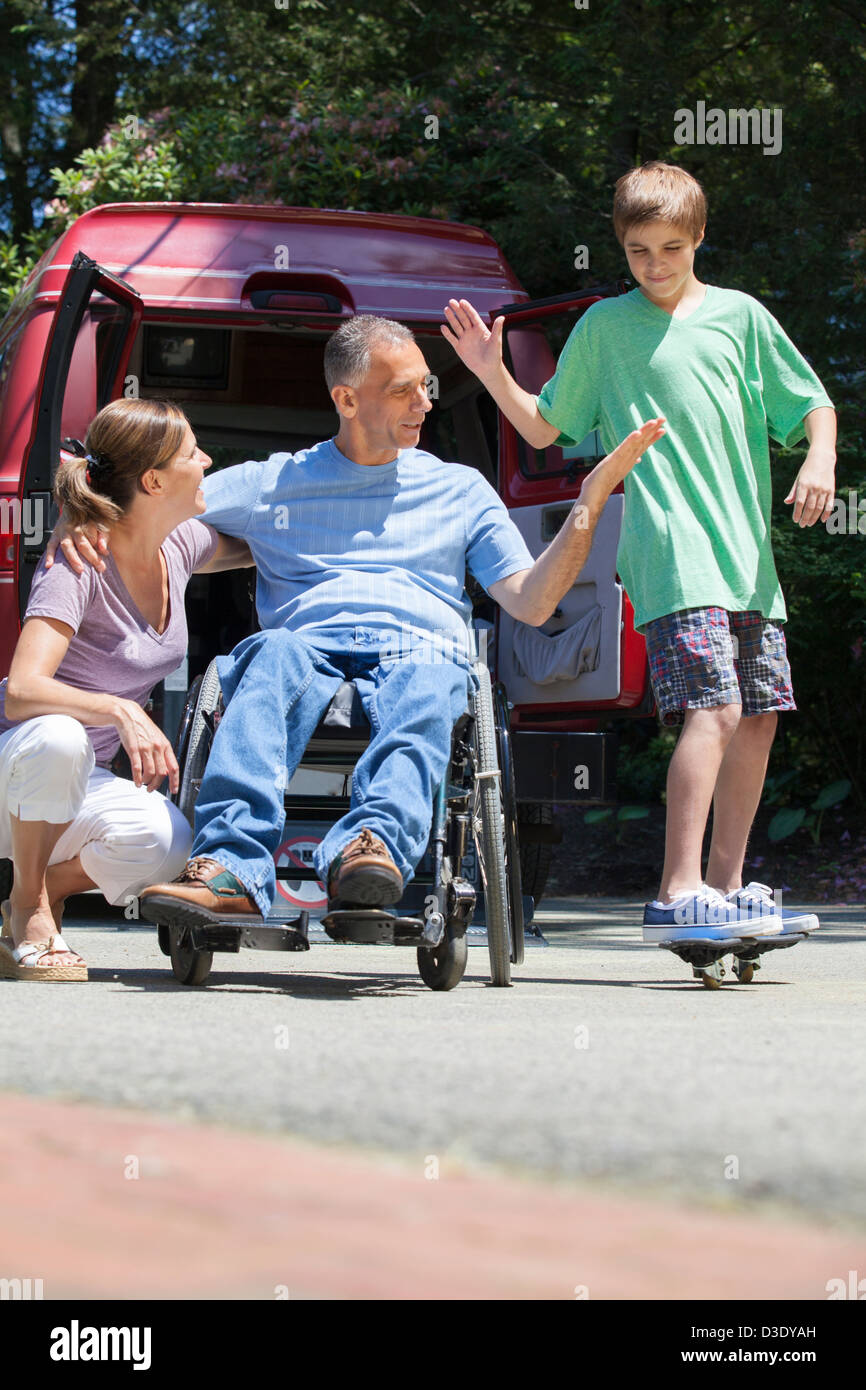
(227, 309)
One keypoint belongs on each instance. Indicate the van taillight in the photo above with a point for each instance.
(296, 299)
(10, 529)
(8, 544)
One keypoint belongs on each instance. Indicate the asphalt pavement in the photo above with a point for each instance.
(604, 1064)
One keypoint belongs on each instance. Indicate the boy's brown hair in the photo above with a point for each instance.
(659, 192)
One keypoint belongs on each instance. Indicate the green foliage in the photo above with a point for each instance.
(643, 755)
(775, 784)
(130, 165)
(15, 266)
(392, 150)
(596, 814)
(832, 795)
(786, 822)
(823, 577)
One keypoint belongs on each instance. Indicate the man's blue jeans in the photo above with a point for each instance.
(277, 685)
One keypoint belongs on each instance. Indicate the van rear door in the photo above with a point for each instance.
(83, 367)
(598, 663)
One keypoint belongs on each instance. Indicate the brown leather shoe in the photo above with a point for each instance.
(205, 892)
(365, 873)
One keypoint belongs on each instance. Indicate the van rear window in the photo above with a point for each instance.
(193, 356)
(252, 391)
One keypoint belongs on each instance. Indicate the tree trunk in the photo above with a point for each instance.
(16, 120)
(99, 65)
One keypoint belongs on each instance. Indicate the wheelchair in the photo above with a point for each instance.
(471, 865)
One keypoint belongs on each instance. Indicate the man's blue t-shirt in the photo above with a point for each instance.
(382, 549)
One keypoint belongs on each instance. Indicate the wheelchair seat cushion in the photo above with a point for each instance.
(346, 710)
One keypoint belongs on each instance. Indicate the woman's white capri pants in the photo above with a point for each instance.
(125, 836)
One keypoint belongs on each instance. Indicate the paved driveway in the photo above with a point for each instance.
(603, 1062)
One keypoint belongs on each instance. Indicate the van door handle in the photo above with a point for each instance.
(39, 514)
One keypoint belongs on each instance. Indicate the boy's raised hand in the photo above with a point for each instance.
(476, 346)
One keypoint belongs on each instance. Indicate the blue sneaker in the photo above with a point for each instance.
(758, 899)
(706, 914)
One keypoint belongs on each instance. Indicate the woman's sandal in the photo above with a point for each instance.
(22, 962)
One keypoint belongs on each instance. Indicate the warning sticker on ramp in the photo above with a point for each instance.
(298, 853)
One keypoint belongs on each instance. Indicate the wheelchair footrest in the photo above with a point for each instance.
(373, 926)
(216, 938)
(231, 936)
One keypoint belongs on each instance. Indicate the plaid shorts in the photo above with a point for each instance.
(703, 657)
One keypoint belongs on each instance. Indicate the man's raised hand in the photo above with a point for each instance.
(615, 466)
(476, 346)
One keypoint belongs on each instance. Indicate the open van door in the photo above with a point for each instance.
(591, 634)
(83, 366)
(587, 661)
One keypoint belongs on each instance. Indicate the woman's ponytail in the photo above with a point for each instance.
(77, 489)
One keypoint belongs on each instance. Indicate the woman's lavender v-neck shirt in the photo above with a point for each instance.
(115, 650)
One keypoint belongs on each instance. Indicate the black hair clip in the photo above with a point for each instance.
(99, 466)
(74, 446)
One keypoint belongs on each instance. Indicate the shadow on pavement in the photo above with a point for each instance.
(265, 982)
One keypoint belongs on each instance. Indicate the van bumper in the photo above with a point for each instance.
(564, 768)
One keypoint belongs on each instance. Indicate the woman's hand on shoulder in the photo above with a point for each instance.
(151, 755)
(78, 543)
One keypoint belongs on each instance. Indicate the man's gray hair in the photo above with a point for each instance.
(347, 352)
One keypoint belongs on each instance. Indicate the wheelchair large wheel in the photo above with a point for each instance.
(198, 742)
(488, 826)
(443, 967)
(508, 803)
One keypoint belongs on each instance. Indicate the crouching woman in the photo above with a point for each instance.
(92, 646)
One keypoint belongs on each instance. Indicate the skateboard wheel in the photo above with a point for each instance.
(711, 975)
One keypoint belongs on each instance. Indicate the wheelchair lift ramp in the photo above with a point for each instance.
(476, 932)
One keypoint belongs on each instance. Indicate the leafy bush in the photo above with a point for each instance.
(130, 165)
(823, 576)
(644, 752)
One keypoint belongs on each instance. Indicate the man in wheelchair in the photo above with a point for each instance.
(361, 544)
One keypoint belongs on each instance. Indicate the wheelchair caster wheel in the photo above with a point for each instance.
(190, 967)
(441, 967)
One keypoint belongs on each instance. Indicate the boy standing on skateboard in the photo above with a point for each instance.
(695, 553)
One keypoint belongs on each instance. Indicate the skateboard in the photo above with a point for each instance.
(705, 957)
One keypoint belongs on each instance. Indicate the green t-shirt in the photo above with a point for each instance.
(696, 530)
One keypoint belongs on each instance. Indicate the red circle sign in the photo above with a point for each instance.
(308, 893)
